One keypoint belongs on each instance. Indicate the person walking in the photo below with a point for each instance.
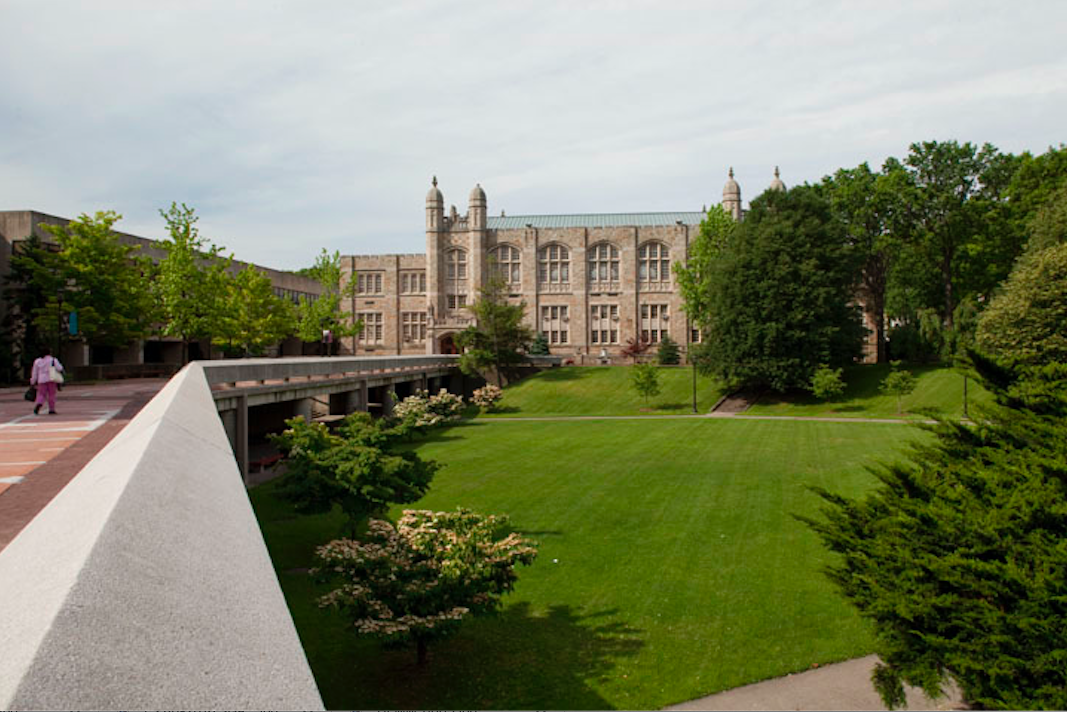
(46, 375)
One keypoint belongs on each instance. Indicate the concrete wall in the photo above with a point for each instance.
(145, 584)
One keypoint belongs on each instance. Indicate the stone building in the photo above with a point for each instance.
(590, 282)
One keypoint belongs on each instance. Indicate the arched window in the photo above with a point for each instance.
(456, 261)
(555, 266)
(507, 265)
(603, 264)
(653, 262)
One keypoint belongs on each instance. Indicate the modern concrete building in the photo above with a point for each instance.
(18, 225)
(590, 282)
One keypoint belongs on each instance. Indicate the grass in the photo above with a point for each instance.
(939, 390)
(604, 390)
(670, 564)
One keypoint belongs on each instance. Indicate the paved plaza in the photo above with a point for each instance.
(39, 454)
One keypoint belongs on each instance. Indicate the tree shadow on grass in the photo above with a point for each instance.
(672, 406)
(516, 659)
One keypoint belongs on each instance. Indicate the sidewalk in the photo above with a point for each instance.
(841, 686)
(40, 454)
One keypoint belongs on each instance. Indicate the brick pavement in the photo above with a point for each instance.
(40, 454)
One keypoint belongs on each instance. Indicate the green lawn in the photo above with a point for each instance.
(670, 566)
(604, 390)
(939, 389)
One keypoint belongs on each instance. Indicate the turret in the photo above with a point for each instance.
(731, 196)
(777, 183)
(476, 211)
(435, 209)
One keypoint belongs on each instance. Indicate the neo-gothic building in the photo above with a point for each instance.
(590, 282)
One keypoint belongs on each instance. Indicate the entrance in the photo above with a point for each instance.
(447, 345)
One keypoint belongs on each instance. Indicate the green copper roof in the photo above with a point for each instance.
(517, 222)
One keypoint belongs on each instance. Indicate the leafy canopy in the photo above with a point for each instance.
(101, 278)
(254, 317)
(644, 377)
(314, 316)
(958, 557)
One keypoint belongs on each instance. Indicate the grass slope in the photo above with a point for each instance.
(939, 389)
(604, 390)
(680, 570)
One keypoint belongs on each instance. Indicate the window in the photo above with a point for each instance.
(653, 322)
(554, 324)
(413, 326)
(653, 263)
(603, 265)
(695, 337)
(555, 266)
(506, 265)
(372, 328)
(604, 324)
(368, 283)
(413, 282)
(456, 263)
(457, 301)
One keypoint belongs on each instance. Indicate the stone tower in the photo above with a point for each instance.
(476, 223)
(435, 230)
(731, 197)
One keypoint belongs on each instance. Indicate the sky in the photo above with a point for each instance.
(296, 126)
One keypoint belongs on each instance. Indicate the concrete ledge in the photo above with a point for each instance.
(145, 584)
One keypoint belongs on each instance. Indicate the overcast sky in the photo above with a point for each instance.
(293, 126)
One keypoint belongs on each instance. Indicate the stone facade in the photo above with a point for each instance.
(590, 282)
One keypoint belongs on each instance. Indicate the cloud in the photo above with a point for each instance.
(291, 126)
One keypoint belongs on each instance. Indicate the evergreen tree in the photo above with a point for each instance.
(667, 353)
(496, 339)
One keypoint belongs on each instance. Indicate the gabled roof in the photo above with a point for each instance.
(517, 222)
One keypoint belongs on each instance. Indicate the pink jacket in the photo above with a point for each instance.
(39, 373)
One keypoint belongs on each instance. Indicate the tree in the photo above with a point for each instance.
(644, 377)
(33, 278)
(254, 317)
(635, 347)
(868, 205)
(324, 314)
(899, 383)
(498, 335)
(827, 384)
(192, 282)
(779, 295)
(667, 353)
(1028, 320)
(1048, 226)
(360, 467)
(416, 582)
(957, 558)
(694, 276)
(102, 279)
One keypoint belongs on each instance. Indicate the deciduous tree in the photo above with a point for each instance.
(644, 377)
(324, 314)
(253, 317)
(496, 339)
(416, 582)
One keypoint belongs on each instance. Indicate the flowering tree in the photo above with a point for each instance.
(418, 581)
(487, 396)
(425, 411)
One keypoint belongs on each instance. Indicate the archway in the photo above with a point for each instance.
(447, 344)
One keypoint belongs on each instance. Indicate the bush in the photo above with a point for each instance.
(958, 557)
(487, 396)
(667, 354)
(828, 384)
(644, 377)
(425, 411)
(539, 345)
(418, 581)
(899, 383)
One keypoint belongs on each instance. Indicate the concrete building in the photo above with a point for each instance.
(18, 225)
(590, 282)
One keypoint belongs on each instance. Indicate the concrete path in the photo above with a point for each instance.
(842, 686)
(40, 454)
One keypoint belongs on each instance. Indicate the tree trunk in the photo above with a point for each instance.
(421, 647)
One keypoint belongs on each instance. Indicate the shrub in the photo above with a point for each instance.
(418, 581)
(667, 354)
(425, 411)
(958, 557)
(899, 383)
(487, 396)
(539, 345)
(828, 384)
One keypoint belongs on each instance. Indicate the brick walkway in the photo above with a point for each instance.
(40, 454)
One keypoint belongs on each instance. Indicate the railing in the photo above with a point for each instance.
(271, 369)
(145, 583)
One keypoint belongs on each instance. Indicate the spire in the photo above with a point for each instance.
(777, 183)
(434, 181)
